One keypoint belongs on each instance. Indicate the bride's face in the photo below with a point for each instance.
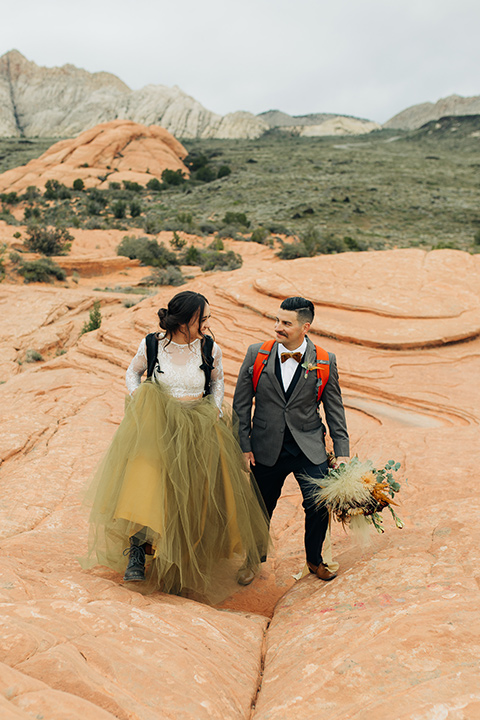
(198, 326)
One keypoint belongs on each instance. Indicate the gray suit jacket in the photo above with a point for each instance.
(263, 434)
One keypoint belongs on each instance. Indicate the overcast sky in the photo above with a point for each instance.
(370, 59)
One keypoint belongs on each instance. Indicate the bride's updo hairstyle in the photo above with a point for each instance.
(180, 311)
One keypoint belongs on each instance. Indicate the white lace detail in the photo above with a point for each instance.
(180, 370)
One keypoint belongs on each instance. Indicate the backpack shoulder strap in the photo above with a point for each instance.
(261, 361)
(207, 364)
(323, 370)
(151, 342)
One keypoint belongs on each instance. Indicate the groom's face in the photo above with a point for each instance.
(288, 330)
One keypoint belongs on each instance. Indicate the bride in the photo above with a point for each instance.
(172, 488)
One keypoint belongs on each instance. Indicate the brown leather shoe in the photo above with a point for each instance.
(321, 571)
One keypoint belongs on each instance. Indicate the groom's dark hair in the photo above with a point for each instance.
(304, 308)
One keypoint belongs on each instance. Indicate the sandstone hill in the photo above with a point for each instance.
(62, 102)
(417, 115)
(393, 637)
(110, 152)
(317, 124)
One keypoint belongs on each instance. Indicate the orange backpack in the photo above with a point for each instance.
(322, 367)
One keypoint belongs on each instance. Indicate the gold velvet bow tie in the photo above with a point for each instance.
(295, 355)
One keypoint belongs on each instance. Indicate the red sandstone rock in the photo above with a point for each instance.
(111, 152)
(394, 636)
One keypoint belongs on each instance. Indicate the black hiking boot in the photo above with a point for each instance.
(135, 571)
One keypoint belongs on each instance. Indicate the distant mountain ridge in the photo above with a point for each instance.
(64, 101)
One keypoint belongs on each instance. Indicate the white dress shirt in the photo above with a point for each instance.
(289, 367)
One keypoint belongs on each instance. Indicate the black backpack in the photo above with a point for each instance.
(151, 342)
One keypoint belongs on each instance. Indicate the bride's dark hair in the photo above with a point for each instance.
(180, 311)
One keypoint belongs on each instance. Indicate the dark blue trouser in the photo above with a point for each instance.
(270, 482)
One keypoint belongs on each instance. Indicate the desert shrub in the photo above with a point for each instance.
(236, 218)
(95, 319)
(135, 209)
(152, 223)
(223, 171)
(260, 235)
(119, 209)
(42, 270)
(214, 260)
(217, 244)
(195, 161)
(169, 275)
(31, 193)
(154, 184)
(476, 238)
(311, 243)
(177, 242)
(132, 186)
(355, 245)
(48, 241)
(7, 216)
(10, 198)
(208, 227)
(33, 356)
(231, 231)
(114, 186)
(192, 256)
(32, 213)
(3, 248)
(55, 190)
(173, 177)
(94, 208)
(205, 174)
(149, 252)
(78, 184)
(14, 257)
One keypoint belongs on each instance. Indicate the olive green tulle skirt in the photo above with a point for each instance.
(174, 476)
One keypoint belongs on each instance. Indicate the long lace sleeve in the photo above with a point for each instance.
(217, 383)
(136, 368)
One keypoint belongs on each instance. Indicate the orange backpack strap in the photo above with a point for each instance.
(261, 361)
(323, 370)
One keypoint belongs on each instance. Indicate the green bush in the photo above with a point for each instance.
(132, 186)
(33, 356)
(236, 218)
(260, 235)
(42, 270)
(169, 275)
(355, 245)
(154, 184)
(119, 209)
(177, 242)
(3, 248)
(195, 161)
(55, 190)
(311, 243)
(223, 171)
(152, 223)
(217, 244)
(10, 198)
(48, 241)
(476, 238)
(192, 256)
(95, 319)
(78, 184)
(149, 252)
(214, 260)
(31, 193)
(205, 174)
(135, 209)
(173, 177)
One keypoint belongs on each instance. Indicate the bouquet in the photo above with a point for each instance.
(356, 493)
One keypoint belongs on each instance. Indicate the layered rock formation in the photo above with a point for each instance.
(62, 102)
(318, 124)
(417, 115)
(111, 152)
(393, 637)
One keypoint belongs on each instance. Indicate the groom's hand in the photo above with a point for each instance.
(249, 459)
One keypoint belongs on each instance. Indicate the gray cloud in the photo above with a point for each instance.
(369, 59)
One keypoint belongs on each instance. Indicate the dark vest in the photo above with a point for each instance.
(151, 342)
(289, 443)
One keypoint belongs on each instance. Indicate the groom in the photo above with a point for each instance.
(286, 434)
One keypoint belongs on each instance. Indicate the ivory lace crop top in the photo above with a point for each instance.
(179, 370)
